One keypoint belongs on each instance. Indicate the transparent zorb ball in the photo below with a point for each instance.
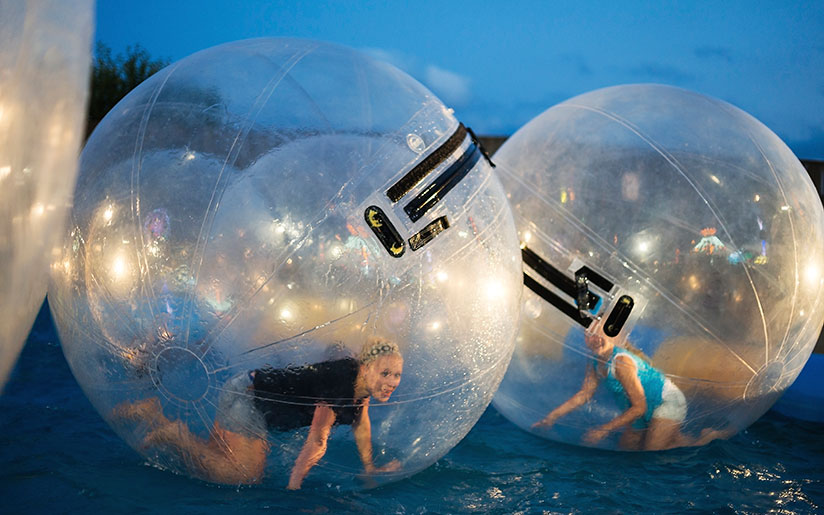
(688, 233)
(276, 204)
(45, 51)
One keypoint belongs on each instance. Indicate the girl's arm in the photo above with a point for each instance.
(580, 398)
(314, 447)
(362, 428)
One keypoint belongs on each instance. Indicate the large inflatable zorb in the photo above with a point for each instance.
(670, 226)
(274, 207)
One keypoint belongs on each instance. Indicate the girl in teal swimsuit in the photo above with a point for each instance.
(653, 407)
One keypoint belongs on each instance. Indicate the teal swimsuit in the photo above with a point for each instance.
(652, 381)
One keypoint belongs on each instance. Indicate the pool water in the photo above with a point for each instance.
(58, 456)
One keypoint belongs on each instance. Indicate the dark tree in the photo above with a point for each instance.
(114, 76)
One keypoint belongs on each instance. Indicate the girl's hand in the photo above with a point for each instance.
(593, 436)
(367, 478)
(392, 466)
(547, 422)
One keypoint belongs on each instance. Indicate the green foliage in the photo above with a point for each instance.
(114, 76)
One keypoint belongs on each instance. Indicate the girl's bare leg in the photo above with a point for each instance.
(664, 433)
(631, 440)
(145, 410)
(709, 434)
(225, 457)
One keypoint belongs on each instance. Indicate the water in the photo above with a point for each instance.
(58, 456)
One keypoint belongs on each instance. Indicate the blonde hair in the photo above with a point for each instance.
(376, 347)
(621, 341)
(635, 350)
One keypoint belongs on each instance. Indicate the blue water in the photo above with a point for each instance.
(58, 456)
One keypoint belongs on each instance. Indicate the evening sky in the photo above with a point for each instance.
(501, 63)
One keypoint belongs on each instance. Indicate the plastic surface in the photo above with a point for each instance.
(695, 211)
(221, 225)
(45, 51)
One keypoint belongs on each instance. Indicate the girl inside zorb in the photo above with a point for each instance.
(653, 407)
(249, 207)
(318, 396)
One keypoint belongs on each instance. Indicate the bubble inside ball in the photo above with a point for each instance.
(270, 203)
(698, 237)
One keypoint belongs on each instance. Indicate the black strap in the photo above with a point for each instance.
(477, 141)
(428, 233)
(425, 167)
(559, 279)
(429, 196)
(549, 296)
(578, 290)
(595, 278)
(443, 184)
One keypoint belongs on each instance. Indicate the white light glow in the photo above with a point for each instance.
(441, 276)
(54, 134)
(38, 209)
(119, 268)
(5, 171)
(108, 213)
(812, 273)
(495, 289)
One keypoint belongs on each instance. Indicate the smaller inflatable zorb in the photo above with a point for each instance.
(673, 229)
